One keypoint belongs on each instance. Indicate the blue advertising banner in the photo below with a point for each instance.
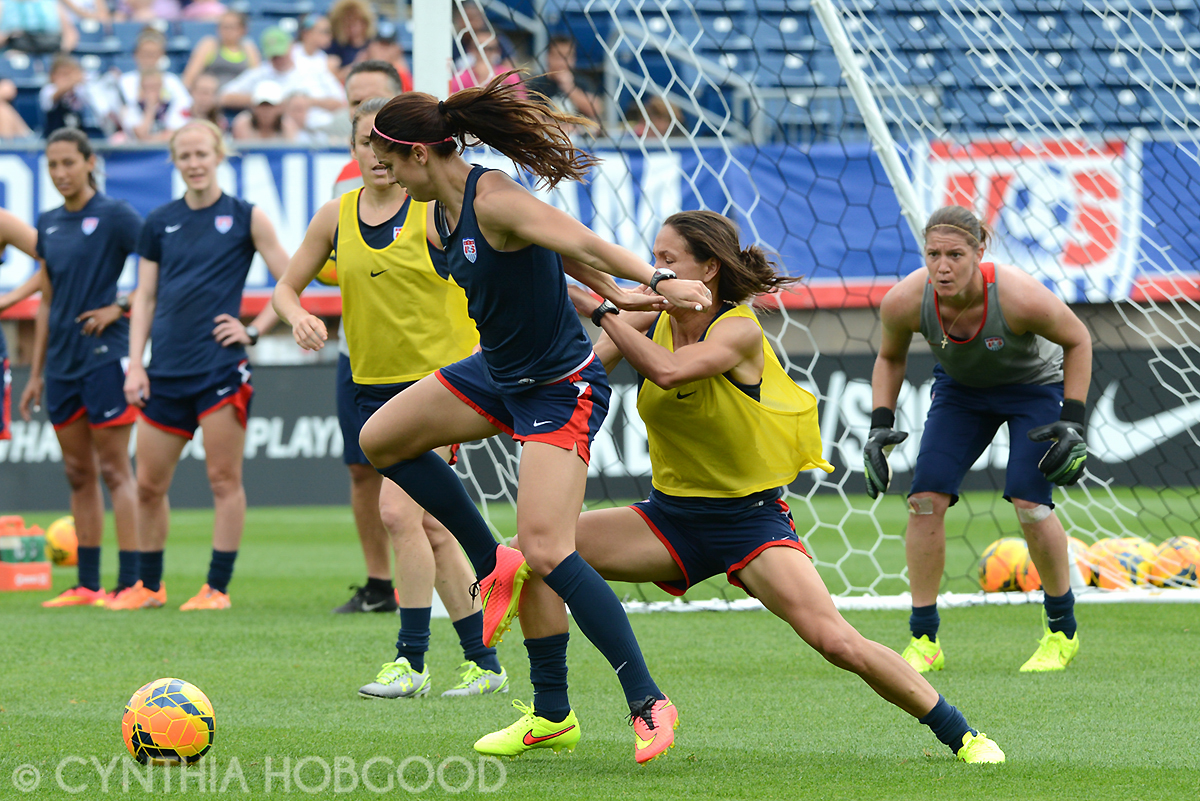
(1096, 221)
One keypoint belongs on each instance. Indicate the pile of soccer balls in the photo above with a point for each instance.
(1110, 564)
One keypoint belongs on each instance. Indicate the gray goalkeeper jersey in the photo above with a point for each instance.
(995, 356)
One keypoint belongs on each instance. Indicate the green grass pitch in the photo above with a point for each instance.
(761, 716)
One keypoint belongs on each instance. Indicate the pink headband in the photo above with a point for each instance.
(402, 142)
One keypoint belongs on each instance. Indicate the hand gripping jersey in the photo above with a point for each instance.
(85, 252)
(995, 356)
(528, 328)
(710, 439)
(403, 319)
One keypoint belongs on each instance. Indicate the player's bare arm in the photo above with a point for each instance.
(137, 383)
(307, 329)
(729, 345)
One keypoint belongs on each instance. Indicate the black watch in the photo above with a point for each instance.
(123, 304)
(661, 274)
(604, 308)
(252, 332)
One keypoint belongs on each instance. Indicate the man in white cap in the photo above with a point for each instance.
(322, 89)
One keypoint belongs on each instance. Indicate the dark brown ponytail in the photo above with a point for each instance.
(744, 273)
(529, 130)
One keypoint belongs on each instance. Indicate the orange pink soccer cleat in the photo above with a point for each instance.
(77, 596)
(138, 597)
(653, 728)
(207, 598)
(501, 593)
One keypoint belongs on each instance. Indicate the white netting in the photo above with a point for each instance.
(1070, 125)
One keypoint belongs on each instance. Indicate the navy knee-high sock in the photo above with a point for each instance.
(548, 675)
(436, 488)
(602, 620)
(1060, 613)
(220, 569)
(150, 565)
(470, 637)
(924, 621)
(947, 723)
(127, 570)
(413, 640)
(89, 567)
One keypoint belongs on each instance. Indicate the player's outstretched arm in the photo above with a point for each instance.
(307, 329)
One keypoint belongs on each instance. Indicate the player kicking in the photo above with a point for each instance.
(403, 319)
(1008, 351)
(536, 378)
(728, 430)
(80, 344)
(195, 254)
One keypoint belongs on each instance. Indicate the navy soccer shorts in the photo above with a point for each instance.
(99, 394)
(178, 403)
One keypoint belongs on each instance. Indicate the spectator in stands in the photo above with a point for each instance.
(36, 26)
(309, 51)
(69, 100)
(324, 92)
(12, 125)
(203, 10)
(561, 83)
(205, 90)
(148, 11)
(150, 56)
(488, 55)
(386, 46)
(265, 119)
(153, 118)
(226, 55)
(660, 119)
(88, 9)
(353, 23)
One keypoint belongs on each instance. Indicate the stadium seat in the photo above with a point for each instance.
(790, 33)
(23, 70)
(127, 33)
(981, 109)
(913, 32)
(196, 30)
(96, 38)
(283, 8)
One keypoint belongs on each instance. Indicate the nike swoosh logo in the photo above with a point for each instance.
(644, 744)
(529, 739)
(111, 412)
(681, 396)
(488, 595)
(1114, 441)
(224, 391)
(931, 660)
(170, 229)
(52, 229)
(537, 423)
(372, 607)
(381, 272)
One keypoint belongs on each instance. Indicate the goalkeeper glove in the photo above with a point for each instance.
(1063, 463)
(880, 442)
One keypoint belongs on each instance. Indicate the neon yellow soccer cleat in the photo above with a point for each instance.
(977, 748)
(924, 655)
(530, 732)
(1054, 652)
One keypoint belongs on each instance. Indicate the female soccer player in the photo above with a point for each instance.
(404, 319)
(13, 231)
(1008, 351)
(80, 344)
(728, 431)
(535, 379)
(195, 253)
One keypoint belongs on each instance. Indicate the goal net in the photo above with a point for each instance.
(829, 131)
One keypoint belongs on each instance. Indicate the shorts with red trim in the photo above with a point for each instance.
(566, 413)
(178, 403)
(709, 536)
(99, 394)
(370, 398)
(5, 400)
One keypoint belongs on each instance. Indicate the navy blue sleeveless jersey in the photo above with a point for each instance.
(528, 328)
(85, 252)
(203, 257)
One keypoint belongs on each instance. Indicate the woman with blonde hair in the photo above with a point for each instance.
(354, 23)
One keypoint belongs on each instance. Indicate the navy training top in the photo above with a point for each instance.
(528, 329)
(203, 257)
(85, 252)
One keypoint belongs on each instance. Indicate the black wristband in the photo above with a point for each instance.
(252, 333)
(123, 304)
(883, 417)
(661, 274)
(1073, 411)
(604, 308)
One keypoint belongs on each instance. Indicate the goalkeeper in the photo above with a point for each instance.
(1008, 351)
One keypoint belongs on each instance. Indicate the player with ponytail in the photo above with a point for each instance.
(728, 430)
(535, 379)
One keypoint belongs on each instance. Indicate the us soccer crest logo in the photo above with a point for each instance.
(396, 229)
(994, 343)
(1066, 211)
(89, 225)
(469, 250)
(223, 222)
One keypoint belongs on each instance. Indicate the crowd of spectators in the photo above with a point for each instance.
(284, 85)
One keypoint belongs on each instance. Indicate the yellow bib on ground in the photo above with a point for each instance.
(709, 439)
(402, 320)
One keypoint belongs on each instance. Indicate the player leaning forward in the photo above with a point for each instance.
(1008, 351)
